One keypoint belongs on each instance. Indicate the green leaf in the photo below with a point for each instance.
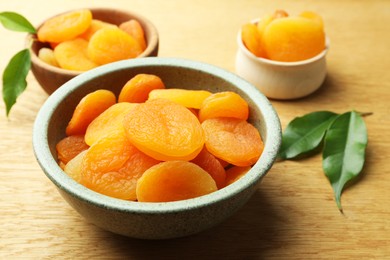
(304, 134)
(14, 78)
(344, 151)
(16, 22)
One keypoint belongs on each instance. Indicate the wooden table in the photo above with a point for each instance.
(292, 214)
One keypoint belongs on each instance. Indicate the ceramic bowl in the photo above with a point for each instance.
(153, 220)
(51, 77)
(281, 80)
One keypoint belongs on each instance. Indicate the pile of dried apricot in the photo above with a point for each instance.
(157, 144)
(79, 42)
(282, 37)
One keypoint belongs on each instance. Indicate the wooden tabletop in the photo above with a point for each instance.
(292, 214)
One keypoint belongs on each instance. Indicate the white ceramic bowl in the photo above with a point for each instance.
(153, 220)
(281, 80)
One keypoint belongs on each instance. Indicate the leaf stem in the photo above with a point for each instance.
(363, 114)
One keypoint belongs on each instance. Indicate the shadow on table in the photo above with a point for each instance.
(251, 231)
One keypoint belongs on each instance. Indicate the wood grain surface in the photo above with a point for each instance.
(292, 215)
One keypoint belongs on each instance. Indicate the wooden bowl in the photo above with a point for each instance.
(51, 77)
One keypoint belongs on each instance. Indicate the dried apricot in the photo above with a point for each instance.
(185, 97)
(235, 173)
(94, 27)
(134, 28)
(224, 104)
(137, 89)
(252, 39)
(233, 140)
(47, 55)
(65, 26)
(293, 39)
(314, 16)
(112, 44)
(173, 181)
(262, 24)
(164, 130)
(212, 165)
(113, 165)
(89, 107)
(73, 167)
(111, 120)
(267, 19)
(72, 55)
(70, 146)
(279, 14)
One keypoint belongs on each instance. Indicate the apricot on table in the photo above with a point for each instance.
(173, 181)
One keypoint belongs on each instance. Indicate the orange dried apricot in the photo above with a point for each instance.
(112, 166)
(262, 24)
(293, 39)
(47, 55)
(314, 16)
(94, 27)
(252, 39)
(235, 173)
(185, 97)
(173, 181)
(89, 107)
(111, 120)
(53, 45)
(212, 165)
(137, 89)
(112, 44)
(279, 14)
(73, 167)
(233, 140)
(72, 55)
(134, 28)
(164, 130)
(65, 26)
(224, 104)
(268, 18)
(70, 146)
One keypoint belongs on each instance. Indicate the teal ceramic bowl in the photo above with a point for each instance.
(153, 220)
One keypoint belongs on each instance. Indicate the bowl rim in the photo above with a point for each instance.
(249, 54)
(64, 182)
(32, 37)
